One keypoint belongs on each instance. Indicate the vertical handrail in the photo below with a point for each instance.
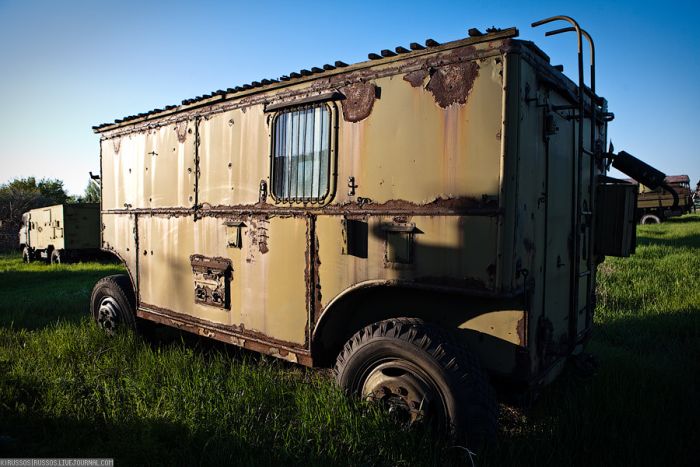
(591, 187)
(576, 175)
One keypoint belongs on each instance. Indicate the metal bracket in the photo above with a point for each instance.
(212, 281)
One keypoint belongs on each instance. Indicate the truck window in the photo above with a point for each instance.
(300, 162)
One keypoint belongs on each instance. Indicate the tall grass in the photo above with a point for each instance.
(68, 390)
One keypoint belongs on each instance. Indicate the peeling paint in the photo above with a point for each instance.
(416, 78)
(521, 327)
(181, 129)
(116, 144)
(358, 102)
(451, 84)
(455, 205)
(232, 334)
(258, 237)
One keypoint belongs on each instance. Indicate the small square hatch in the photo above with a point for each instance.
(212, 281)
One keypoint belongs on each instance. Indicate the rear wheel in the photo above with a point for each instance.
(58, 256)
(113, 304)
(650, 219)
(421, 375)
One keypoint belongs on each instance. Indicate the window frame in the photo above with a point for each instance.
(331, 172)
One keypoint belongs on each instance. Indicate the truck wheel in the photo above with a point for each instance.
(650, 219)
(113, 303)
(421, 375)
(27, 256)
(57, 257)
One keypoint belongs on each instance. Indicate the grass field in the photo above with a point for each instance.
(66, 390)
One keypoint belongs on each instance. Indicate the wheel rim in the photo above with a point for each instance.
(108, 315)
(409, 395)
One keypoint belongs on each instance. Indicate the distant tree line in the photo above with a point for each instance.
(23, 194)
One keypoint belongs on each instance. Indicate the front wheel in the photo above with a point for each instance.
(113, 304)
(650, 219)
(421, 375)
(27, 255)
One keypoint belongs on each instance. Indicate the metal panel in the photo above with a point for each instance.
(233, 157)
(119, 236)
(167, 166)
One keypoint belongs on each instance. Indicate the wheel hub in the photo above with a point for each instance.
(407, 395)
(108, 315)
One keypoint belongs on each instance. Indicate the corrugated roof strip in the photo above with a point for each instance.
(385, 53)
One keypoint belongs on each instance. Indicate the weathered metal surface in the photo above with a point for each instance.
(358, 102)
(451, 84)
(451, 155)
(212, 277)
(416, 78)
(232, 335)
(63, 227)
(659, 199)
(508, 325)
(340, 67)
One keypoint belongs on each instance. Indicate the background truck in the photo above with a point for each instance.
(656, 205)
(60, 233)
(427, 222)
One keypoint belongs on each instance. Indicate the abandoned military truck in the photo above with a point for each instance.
(657, 205)
(60, 233)
(427, 222)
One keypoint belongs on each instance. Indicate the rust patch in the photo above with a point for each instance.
(416, 78)
(521, 329)
(358, 102)
(318, 308)
(451, 84)
(323, 84)
(258, 237)
(116, 144)
(181, 129)
(459, 205)
(236, 335)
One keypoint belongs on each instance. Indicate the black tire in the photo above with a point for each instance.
(27, 255)
(650, 219)
(113, 304)
(403, 360)
(57, 257)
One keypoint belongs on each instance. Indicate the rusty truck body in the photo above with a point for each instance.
(60, 233)
(656, 205)
(428, 221)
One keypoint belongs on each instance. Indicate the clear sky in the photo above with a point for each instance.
(68, 65)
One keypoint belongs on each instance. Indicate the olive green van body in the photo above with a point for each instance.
(442, 183)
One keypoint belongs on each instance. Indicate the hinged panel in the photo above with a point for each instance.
(212, 281)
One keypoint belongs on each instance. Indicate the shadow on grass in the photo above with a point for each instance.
(686, 219)
(639, 408)
(668, 335)
(141, 442)
(685, 241)
(36, 299)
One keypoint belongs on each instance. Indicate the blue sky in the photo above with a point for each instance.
(66, 66)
